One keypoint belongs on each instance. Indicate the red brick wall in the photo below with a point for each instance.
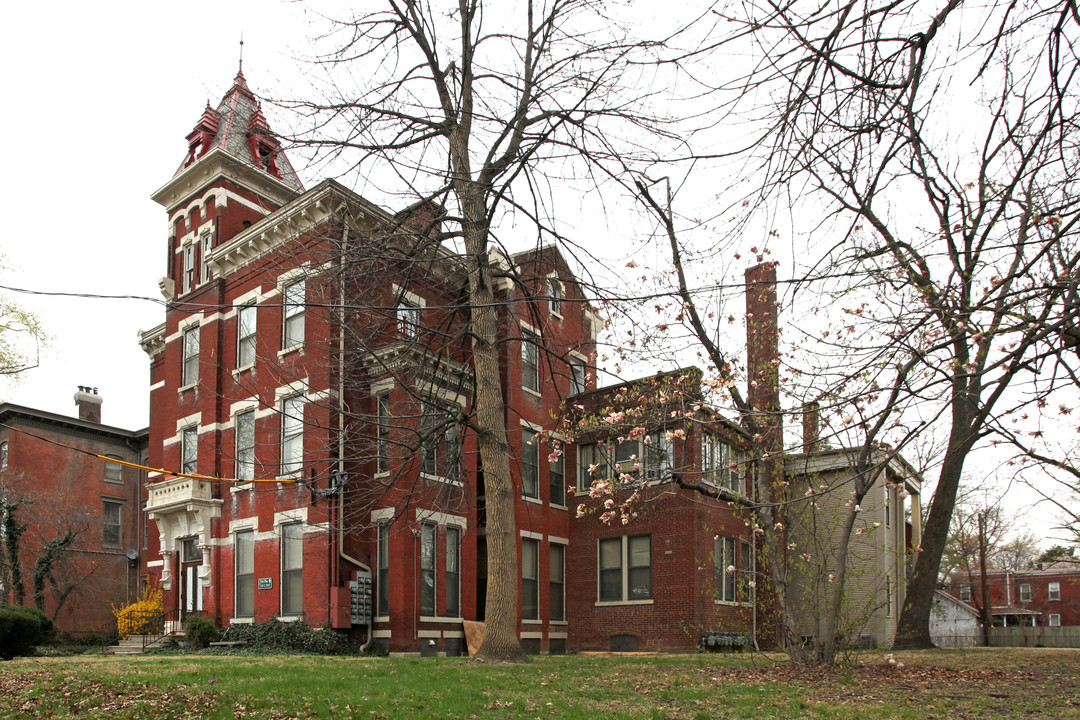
(60, 489)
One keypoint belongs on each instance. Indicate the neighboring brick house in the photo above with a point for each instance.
(85, 510)
(1047, 598)
(661, 547)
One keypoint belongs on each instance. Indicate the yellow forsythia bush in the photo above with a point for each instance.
(130, 618)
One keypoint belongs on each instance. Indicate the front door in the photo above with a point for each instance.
(191, 596)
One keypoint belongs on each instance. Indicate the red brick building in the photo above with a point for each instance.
(1047, 598)
(310, 393)
(79, 511)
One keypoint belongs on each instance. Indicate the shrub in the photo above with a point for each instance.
(200, 631)
(290, 637)
(132, 619)
(21, 629)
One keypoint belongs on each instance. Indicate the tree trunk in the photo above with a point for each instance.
(501, 620)
(913, 628)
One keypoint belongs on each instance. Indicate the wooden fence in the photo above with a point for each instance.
(1057, 637)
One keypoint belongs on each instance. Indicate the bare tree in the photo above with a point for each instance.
(481, 111)
(951, 253)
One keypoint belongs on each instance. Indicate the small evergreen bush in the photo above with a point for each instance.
(200, 631)
(21, 629)
(290, 637)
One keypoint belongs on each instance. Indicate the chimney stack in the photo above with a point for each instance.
(89, 403)
(811, 427)
(763, 355)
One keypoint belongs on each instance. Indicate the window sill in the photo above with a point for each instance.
(289, 618)
(112, 482)
(529, 391)
(531, 621)
(439, 619)
(297, 348)
(558, 506)
(614, 603)
(533, 500)
(183, 389)
(564, 623)
(292, 478)
(731, 603)
(441, 479)
(381, 619)
(556, 314)
(242, 621)
(240, 487)
(241, 370)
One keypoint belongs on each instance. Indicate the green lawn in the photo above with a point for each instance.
(983, 683)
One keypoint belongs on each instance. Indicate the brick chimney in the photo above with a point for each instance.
(89, 403)
(763, 355)
(811, 427)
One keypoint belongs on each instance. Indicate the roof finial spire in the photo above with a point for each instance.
(240, 70)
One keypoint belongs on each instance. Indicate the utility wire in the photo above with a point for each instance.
(137, 466)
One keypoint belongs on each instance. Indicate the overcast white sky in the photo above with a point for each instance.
(98, 99)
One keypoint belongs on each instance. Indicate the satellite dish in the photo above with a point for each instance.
(132, 554)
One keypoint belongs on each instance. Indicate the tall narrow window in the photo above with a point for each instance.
(592, 465)
(382, 450)
(577, 377)
(555, 296)
(295, 296)
(292, 435)
(724, 555)
(1054, 620)
(965, 593)
(245, 573)
(384, 569)
(408, 318)
(611, 569)
(440, 439)
(530, 464)
(292, 569)
(3, 455)
(453, 572)
(191, 356)
(1053, 591)
(530, 579)
(530, 361)
(111, 515)
(888, 508)
(557, 581)
(557, 480)
(207, 245)
(189, 266)
(245, 339)
(189, 450)
(639, 578)
(245, 445)
(658, 456)
(745, 588)
(888, 596)
(1025, 592)
(427, 570)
